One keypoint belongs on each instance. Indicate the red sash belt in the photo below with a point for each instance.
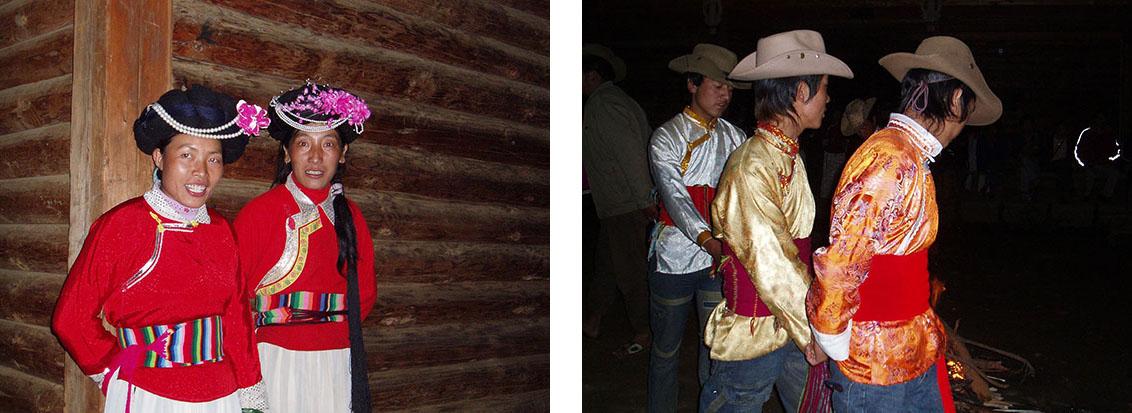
(896, 288)
(701, 195)
(740, 292)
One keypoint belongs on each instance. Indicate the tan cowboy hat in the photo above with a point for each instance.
(855, 114)
(952, 57)
(793, 53)
(709, 60)
(603, 52)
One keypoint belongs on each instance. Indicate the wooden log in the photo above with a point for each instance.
(414, 304)
(487, 19)
(532, 401)
(35, 104)
(27, 393)
(459, 382)
(540, 8)
(396, 216)
(450, 343)
(441, 262)
(294, 52)
(35, 200)
(23, 19)
(35, 247)
(39, 58)
(409, 123)
(394, 30)
(36, 152)
(29, 297)
(31, 349)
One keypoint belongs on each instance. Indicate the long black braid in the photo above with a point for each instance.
(347, 264)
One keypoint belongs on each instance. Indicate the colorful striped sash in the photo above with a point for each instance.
(190, 343)
(299, 307)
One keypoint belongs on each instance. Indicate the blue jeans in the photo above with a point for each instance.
(744, 386)
(920, 394)
(671, 297)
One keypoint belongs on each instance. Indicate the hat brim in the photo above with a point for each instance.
(619, 68)
(988, 108)
(685, 64)
(786, 65)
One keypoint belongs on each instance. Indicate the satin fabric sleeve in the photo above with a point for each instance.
(76, 320)
(866, 204)
(748, 215)
(367, 279)
(665, 154)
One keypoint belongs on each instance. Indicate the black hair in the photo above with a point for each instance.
(198, 107)
(696, 78)
(347, 245)
(775, 97)
(940, 87)
(601, 66)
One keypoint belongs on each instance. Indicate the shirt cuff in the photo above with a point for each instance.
(703, 237)
(836, 346)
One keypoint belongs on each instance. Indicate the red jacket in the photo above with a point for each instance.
(195, 277)
(261, 229)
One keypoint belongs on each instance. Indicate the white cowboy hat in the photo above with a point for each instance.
(855, 114)
(793, 53)
(709, 60)
(952, 57)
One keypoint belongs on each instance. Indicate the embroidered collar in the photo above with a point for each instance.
(776, 138)
(920, 137)
(168, 207)
(305, 203)
(708, 125)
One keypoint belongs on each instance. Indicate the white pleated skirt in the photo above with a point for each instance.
(306, 381)
(143, 401)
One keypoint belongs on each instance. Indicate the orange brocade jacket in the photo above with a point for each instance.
(885, 205)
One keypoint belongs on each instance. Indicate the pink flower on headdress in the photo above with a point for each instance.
(251, 118)
(343, 105)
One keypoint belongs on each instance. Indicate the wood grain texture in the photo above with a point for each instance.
(36, 152)
(532, 401)
(29, 297)
(414, 304)
(35, 105)
(39, 58)
(36, 200)
(485, 18)
(27, 393)
(23, 19)
(32, 247)
(441, 262)
(459, 382)
(31, 349)
(450, 343)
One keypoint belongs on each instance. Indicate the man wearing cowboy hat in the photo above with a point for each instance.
(687, 154)
(868, 305)
(764, 213)
(614, 138)
(856, 121)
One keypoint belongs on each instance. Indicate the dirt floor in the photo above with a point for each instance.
(1047, 280)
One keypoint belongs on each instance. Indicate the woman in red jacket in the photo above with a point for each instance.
(152, 309)
(307, 254)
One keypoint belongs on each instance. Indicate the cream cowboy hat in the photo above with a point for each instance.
(709, 60)
(793, 53)
(952, 57)
(855, 114)
(604, 53)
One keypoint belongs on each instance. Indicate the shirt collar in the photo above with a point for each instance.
(923, 140)
(168, 207)
(699, 120)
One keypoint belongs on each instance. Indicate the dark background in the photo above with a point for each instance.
(1044, 274)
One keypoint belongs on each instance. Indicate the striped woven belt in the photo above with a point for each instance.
(299, 307)
(190, 343)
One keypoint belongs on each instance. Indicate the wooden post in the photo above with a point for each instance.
(123, 61)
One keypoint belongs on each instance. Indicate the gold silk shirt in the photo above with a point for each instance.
(762, 204)
(885, 204)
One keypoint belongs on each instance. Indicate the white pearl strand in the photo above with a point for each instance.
(198, 132)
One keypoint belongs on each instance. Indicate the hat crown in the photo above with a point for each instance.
(949, 47)
(779, 44)
(718, 56)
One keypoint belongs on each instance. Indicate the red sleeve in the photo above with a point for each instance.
(367, 279)
(247, 367)
(77, 320)
(239, 338)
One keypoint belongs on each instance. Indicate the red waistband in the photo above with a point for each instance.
(896, 288)
(701, 195)
(740, 292)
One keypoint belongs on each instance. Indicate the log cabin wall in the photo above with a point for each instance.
(36, 48)
(451, 172)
